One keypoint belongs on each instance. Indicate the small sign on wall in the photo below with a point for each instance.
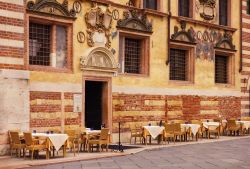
(77, 103)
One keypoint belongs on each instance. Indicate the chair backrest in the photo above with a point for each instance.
(169, 128)
(217, 120)
(28, 138)
(55, 131)
(177, 127)
(104, 134)
(14, 137)
(231, 123)
(71, 133)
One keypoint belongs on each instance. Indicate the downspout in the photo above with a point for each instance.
(168, 24)
(241, 64)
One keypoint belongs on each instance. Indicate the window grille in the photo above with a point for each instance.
(221, 63)
(132, 55)
(178, 64)
(223, 12)
(150, 4)
(39, 44)
(184, 6)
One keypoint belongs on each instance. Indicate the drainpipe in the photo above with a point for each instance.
(241, 65)
(168, 24)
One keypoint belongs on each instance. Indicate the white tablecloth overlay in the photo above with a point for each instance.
(245, 124)
(56, 139)
(154, 131)
(211, 125)
(194, 127)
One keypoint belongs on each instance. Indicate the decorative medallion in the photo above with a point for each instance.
(51, 7)
(81, 37)
(98, 26)
(77, 6)
(207, 8)
(134, 20)
(115, 14)
(183, 34)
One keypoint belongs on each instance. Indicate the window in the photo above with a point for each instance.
(133, 54)
(221, 69)
(39, 44)
(223, 12)
(184, 8)
(48, 45)
(248, 7)
(150, 4)
(178, 64)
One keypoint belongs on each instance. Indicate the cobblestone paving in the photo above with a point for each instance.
(218, 155)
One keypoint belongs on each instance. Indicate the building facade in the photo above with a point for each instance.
(71, 63)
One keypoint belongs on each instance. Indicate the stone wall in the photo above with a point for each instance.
(132, 109)
(52, 110)
(14, 105)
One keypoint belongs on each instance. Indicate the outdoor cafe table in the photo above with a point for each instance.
(211, 125)
(153, 131)
(194, 127)
(56, 140)
(245, 124)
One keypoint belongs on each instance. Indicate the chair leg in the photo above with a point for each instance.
(32, 153)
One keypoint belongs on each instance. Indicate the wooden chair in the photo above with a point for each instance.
(136, 132)
(179, 132)
(103, 140)
(74, 140)
(232, 127)
(35, 145)
(82, 138)
(201, 132)
(213, 130)
(15, 143)
(169, 133)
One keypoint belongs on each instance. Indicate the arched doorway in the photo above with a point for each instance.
(98, 66)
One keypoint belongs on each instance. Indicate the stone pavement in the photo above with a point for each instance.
(234, 154)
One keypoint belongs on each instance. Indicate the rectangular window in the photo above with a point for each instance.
(178, 64)
(48, 45)
(248, 7)
(39, 44)
(223, 12)
(184, 8)
(150, 4)
(221, 69)
(132, 55)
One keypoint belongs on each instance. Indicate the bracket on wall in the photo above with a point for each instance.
(51, 7)
(183, 34)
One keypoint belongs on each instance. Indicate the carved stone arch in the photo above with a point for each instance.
(99, 59)
(51, 7)
(183, 34)
(225, 43)
(134, 20)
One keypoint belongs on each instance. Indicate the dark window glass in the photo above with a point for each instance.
(184, 6)
(39, 44)
(178, 64)
(248, 7)
(150, 4)
(223, 8)
(132, 55)
(221, 63)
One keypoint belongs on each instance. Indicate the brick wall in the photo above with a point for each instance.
(144, 109)
(12, 35)
(245, 59)
(52, 110)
